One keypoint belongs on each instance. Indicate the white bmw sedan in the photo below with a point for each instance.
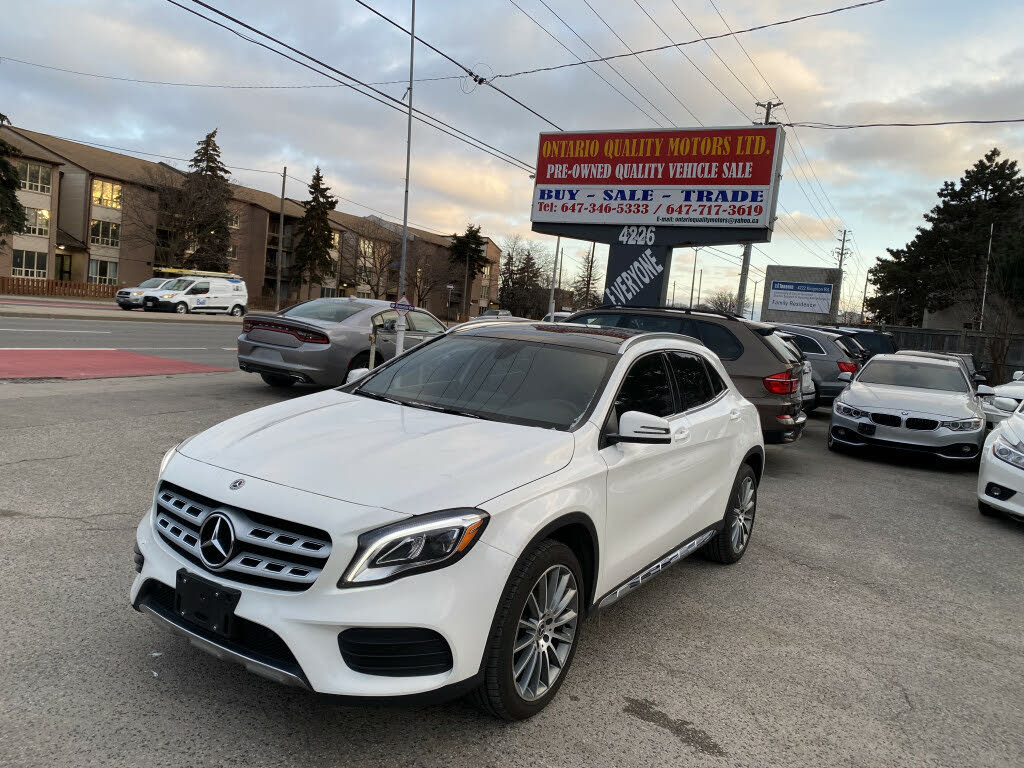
(1001, 474)
(443, 524)
(921, 404)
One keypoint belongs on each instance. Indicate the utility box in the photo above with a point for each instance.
(801, 295)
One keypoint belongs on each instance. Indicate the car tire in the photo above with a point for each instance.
(279, 382)
(831, 444)
(986, 510)
(147, 309)
(126, 309)
(513, 647)
(362, 360)
(731, 542)
(237, 311)
(181, 308)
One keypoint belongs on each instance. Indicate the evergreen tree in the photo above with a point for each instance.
(584, 293)
(12, 214)
(313, 262)
(468, 252)
(206, 219)
(508, 289)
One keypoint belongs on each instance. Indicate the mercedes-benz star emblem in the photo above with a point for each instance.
(216, 541)
(237, 484)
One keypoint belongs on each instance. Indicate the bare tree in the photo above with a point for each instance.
(427, 268)
(369, 257)
(725, 301)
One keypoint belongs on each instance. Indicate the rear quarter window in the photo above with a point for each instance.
(719, 340)
(777, 344)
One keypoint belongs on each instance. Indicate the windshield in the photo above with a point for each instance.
(180, 284)
(501, 379)
(877, 343)
(330, 310)
(153, 282)
(898, 373)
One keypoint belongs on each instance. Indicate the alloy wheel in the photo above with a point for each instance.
(744, 504)
(545, 633)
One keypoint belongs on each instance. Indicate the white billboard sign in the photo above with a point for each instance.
(791, 296)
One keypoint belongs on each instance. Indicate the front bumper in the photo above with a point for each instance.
(1009, 481)
(159, 305)
(129, 301)
(457, 602)
(994, 415)
(943, 442)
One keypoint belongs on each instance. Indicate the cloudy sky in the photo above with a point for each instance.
(900, 60)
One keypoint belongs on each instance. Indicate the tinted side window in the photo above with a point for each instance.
(420, 321)
(691, 380)
(646, 388)
(807, 345)
(652, 323)
(607, 320)
(200, 288)
(719, 340)
(385, 321)
(717, 384)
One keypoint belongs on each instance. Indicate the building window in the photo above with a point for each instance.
(105, 233)
(233, 220)
(328, 293)
(106, 194)
(485, 294)
(103, 272)
(37, 222)
(336, 240)
(487, 271)
(362, 294)
(233, 253)
(33, 177)
(29, 264)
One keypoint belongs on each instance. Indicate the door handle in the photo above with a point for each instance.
(734, 414)
(680, 435)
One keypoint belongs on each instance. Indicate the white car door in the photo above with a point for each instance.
(714, 422)
(648, 498)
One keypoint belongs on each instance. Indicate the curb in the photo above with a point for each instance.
(141, 317)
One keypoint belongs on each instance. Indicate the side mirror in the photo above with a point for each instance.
(1005, 404)
(1018, 375)
(984, 391)
(356, 374)
(980, 377)
(845, 376)
(637, 427)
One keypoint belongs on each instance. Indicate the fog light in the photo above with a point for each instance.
(997, 491)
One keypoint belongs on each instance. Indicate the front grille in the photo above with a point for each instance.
(925, 424)
(886, 419)
(248, 638)
(269, 552)
(395, 651)
(123, 294)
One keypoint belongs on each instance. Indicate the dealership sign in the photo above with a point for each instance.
(717, 177)
(800, 297)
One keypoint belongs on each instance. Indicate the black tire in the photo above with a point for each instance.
(362, 360)
(723, 548)
(147, 309)
(181, 308)
(126, 309)
(280, 382)
(986, 510)
(237, 311)
(498, 694)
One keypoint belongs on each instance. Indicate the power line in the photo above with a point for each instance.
(712, 49)
(387, 100)
(643, 63)
(603, 79)
(479, 79)
(851, 126)
(215, 85)
(691, 42)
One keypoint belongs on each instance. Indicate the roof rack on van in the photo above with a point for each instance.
(173, 271)
(684, 310)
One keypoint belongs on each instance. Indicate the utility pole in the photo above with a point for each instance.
(673, 293)
(864, 298)
(741, 291)
(833, 316)
(753, 301)
(400, 322)
(984, 290)
(700, 283)
(561, 265)
(693, 279)
(554, 276)
(280, 243)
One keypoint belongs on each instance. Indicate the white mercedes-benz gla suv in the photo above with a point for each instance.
(443, 524)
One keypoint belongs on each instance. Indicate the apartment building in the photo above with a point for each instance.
(95, 217)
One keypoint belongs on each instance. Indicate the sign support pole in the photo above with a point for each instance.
(554, 273)
(400, 324)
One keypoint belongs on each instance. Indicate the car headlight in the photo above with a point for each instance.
(167, 296)
(421, 543)
(1008, 452)
(167, 456)
(137, 293)
(845, 410)
(962, 425)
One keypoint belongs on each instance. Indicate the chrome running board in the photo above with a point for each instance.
(651, 571)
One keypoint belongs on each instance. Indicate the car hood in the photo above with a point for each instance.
(380, 454)
(930, 401)
(1010, 389)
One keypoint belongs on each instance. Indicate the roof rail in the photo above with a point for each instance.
(656, 335)
(684, 310)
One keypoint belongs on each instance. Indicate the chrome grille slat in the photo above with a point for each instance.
(272, 555)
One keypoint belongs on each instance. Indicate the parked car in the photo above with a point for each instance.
(759, 363)
(495, 313)
(922, 404)
(830, 354)
(875, 342)
(1003, 401)
(131, 298)
(1001, 473)
(320, 341)
(556, 317)
(227, 295)
(443, 524)
(977, 374)
(972, 377)
(808, 390)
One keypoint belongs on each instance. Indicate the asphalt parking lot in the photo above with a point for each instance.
(877, 619)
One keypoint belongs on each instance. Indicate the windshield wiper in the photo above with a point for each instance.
(375, 396)
(442, 409)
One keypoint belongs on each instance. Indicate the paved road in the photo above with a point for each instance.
(207, 343)
(876, 621)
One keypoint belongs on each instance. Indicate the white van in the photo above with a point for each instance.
(226, 295)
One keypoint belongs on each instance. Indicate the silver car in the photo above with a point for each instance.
(829, 354)
(921, 404)
(321, 341)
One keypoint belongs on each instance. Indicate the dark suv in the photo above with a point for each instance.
(763, 367)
